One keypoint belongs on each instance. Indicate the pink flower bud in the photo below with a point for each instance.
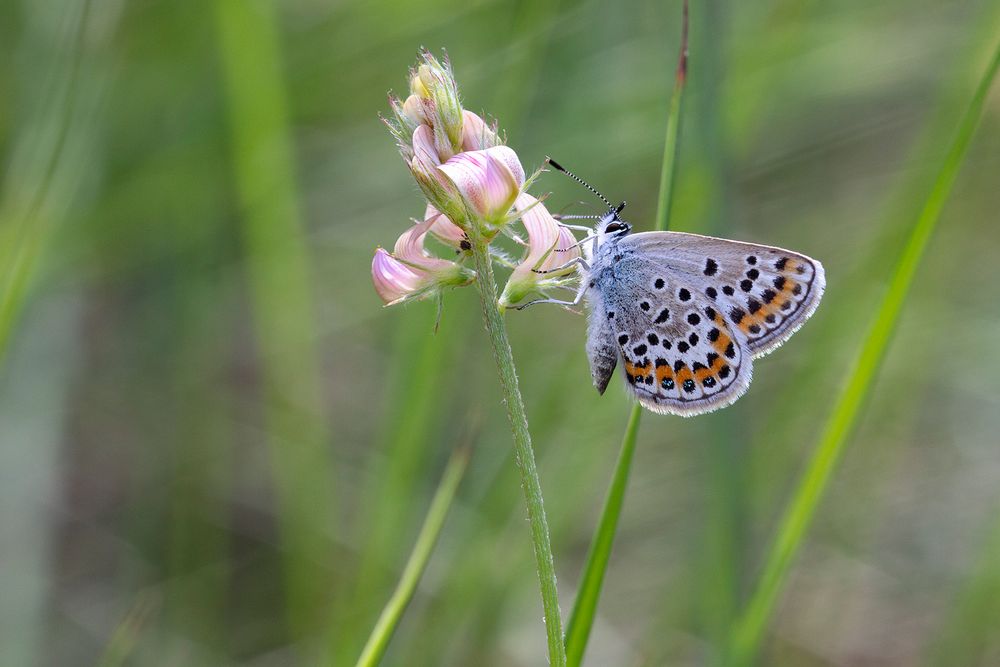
(488, 180)
(437, 188)
(414, 109)
(393, 280)
(434, 85)
(550, 246)
(417, 86)
(410, 272)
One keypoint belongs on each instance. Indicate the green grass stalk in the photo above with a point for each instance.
(277, 267)
(41, 169)
(968, 634)
(399, 463)
(751, 625)
(377, 643)
(126, 635)
(581, 619)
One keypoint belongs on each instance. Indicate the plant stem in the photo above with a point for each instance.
(524, 456)
(750, 627)
(417, 562)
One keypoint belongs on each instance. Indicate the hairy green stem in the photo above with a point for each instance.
(750, 628)
(524, 456)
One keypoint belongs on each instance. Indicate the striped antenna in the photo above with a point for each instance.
(559, 167)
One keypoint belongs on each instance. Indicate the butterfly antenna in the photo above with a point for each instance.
(559, 167)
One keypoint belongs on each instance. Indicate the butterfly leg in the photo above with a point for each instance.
(576, 261)
(578, 228)
(575, 245)
(574, 302)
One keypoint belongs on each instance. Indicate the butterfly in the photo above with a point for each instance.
(686, 314)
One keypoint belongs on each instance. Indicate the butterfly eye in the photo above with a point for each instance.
(614, 227)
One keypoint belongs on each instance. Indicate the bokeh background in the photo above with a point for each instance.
(216, 447)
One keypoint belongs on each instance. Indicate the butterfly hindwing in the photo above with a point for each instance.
(765, 293)
(680, 353)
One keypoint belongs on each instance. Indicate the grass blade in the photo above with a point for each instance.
(40, 183)
(277, 269)
(749, 629)
(581, 619)
(416, 564)
(126, 635)
(667, 171)
(969, 633)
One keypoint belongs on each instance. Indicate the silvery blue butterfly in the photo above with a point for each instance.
(686, 314)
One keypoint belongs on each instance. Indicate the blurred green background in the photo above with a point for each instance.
(216, 447)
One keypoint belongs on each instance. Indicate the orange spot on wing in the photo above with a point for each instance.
(773, 308)
(683, 375)
(721, 343)
(703, 373)
(637, 370)
(664, 372)
(717, 365)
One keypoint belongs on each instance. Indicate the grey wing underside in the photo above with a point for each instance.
(766, 292)
(602, 349)
(679, 355)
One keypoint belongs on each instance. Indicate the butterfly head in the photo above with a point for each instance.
(611, 226)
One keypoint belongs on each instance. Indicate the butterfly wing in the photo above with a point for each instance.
(766, 293)
(681, 356)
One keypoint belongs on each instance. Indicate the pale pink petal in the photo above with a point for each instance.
(543, 231)
(437, 188)
(489, 180)
(410, 248)
(466, 171)
(476, 134)
(394, 280)
(443, 229)
(508, 157)
(545, 237)
(500, 185)
(415, 109)
(423, 145)
(567, 248)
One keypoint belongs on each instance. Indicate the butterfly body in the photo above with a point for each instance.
(685, 315)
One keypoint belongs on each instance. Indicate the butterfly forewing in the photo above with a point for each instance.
(765, 293)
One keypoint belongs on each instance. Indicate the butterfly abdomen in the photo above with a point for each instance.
(602, 348)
